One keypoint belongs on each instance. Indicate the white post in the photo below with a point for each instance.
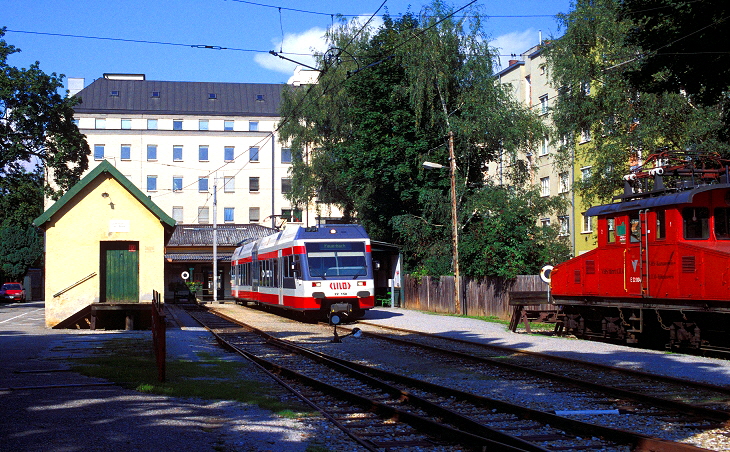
(215, 239)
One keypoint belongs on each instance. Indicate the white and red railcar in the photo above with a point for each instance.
(313, 270)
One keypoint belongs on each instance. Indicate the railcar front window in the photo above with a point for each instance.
(696, 222)
(329, 260)
(611, 223)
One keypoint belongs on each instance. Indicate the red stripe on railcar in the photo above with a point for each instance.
(269, 255)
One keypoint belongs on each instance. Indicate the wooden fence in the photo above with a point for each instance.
(483, 297)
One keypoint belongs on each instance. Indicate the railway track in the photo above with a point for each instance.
(389, 410)
(697, 399)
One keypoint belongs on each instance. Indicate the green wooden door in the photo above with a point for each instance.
(122, 273)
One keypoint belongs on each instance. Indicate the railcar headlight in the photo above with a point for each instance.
(361, 283)
(316, 284)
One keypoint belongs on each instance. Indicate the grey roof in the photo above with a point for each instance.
(183, 98)
(228, 234)
(197, 257)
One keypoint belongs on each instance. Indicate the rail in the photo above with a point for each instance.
(158, 334)
(74, 285)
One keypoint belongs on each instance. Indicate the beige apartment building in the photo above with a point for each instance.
(203, 152)
(529, 81)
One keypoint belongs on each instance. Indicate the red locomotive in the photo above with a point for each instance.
(661, 272)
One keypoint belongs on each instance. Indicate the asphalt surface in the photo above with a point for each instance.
(45, 407)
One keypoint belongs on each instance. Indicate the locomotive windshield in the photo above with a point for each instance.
(336, 259)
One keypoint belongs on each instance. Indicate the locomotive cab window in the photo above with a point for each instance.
(722, 221)
(696, 221)
(611, 226)
(661, 227)
(336, 259)
(635, 227)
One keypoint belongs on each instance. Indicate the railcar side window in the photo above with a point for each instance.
(722, 220)
(611, 224)
(635, 228)
(696, 222)
(661, 228)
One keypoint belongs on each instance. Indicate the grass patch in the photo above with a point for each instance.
(130, 363)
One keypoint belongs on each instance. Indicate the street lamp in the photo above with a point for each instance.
(454, 222)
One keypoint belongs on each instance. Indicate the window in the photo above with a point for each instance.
(212, 96)
(635, 226)
(545, 148)
(259, 98)
(228, 214)
(177, 154)
(545, 186)
(177, 214)
(100, 123)
(286, 185)
(564, 225)
(661, 227)
(228, 125)
(177, 183)
(203, 184)
(564, 183)
(203, 153)
(611, 224)
(126, 152)
(151, 152)
(545, 222)
(177, 124)
(722, 215)
(151, 124)
(203, 124)
(544, 104)
(228, 152)
(203, 215)
(98, 152)
(254, 214)
(253, 126)
(151, 183)
(587, 224)
(585, 88)
(696, 222)
(253, 184)
(126, 124)
(285, 155)
(155, 94)
(229, 184)
(114, 93)
(253, 154)
(585, 136)
(291, 215)
(585, 174)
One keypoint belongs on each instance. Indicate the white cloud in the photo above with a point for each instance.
(303, 45)
(514, 43)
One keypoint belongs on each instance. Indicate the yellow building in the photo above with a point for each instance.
(104, 252)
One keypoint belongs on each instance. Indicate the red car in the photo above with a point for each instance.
(13, 291)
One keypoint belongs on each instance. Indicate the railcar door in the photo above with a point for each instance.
(631, 232)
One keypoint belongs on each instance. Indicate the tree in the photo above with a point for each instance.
(36, 125)
(680, 40)
(386, 101)
(592, 66)
(37, 134)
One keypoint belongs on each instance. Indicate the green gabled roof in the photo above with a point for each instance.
(105, 167)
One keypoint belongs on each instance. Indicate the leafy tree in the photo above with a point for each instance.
(19, 249)
(385, 102)
(36, 124)
(593, 65)
(37, 133)
(680, 41)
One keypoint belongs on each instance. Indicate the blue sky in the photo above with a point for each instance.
(248, 29)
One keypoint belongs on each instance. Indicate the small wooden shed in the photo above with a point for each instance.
(104, 253)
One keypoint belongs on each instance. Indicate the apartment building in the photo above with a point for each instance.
(528, 78)
(203, 152)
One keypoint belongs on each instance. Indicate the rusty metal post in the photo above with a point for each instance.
(158, 334)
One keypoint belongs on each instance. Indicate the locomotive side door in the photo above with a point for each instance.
(629, 233)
